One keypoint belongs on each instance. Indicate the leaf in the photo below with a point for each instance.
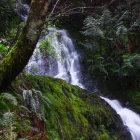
(9, 97)
(3, 48)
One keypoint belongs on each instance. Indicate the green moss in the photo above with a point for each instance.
(81, 115)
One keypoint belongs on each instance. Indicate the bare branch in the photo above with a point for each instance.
(66, 10)
(54, 7)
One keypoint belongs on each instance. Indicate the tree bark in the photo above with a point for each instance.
(19, 55)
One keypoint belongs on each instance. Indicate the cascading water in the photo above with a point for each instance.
(66, 66)
(129, 118)
(22, 9)
(69, 70)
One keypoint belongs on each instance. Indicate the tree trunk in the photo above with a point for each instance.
(19, 55)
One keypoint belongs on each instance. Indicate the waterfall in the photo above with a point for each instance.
(67, 67)
(22, 9)
(129, 118)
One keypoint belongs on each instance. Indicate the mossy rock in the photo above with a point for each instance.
(71, 114)
(75, 113)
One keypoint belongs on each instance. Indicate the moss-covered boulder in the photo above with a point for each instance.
(71, 113)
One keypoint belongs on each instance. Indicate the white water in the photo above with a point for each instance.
(69, 70)
(66, 66)
(129, 118)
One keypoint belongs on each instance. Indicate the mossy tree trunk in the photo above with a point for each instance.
(18, 57)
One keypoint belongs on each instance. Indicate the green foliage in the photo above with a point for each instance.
(66, 110)
(7, 102)
(97, 63)
(37, 103)
(109, 45)
(7, 96)
(73, 112)
(34, 69)
(9, 124)
(48, 50)
(3, 48)
(8, 119)
(6, 14)
(130, 66)
(9, 22)
(11, 35)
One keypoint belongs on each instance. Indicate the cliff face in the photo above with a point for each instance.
(58, 110)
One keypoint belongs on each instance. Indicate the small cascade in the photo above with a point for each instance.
(129, 118)
(22, 9)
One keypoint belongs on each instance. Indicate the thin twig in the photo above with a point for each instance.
(54, 7)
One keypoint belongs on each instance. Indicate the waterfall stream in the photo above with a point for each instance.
(67, 67)
(129, 118)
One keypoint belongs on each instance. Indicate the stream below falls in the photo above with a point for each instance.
(65, 65)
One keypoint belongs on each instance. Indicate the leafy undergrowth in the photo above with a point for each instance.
(38, 107)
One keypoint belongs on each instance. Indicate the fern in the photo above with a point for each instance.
(37, 102)
(97, 64)
(9, 124)
(106, 18)
(130, 66)
(135, 27)
(135, 60)
(109, 39)
(9, 97)
(28, 95)
(7, 102)
(8, 121)
(24, 108)
(92, 27)
(127, 61)
(121, 30)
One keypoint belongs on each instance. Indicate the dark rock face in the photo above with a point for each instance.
(125, 134)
